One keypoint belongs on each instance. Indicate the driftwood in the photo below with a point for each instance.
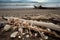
(45, 24)
(25, 23)
(44, 18)
(37, 23)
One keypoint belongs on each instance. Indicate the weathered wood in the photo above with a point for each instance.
(41, 30)
(37, 23)
(45, 24)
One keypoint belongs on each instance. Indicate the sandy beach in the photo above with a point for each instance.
(27, 12)
(22, 12)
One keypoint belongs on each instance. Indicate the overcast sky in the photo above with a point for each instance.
(34, 0)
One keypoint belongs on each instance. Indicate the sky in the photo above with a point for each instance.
(34, 0)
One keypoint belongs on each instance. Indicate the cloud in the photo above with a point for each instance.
(53, 0)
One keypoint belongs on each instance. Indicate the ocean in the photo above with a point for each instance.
(28, 5)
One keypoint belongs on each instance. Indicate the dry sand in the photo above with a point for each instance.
(22, 12)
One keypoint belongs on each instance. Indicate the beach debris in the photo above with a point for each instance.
(43, 36)
(27, 36)
(24, 33)
(37, 26)
(49, 29)
(6, 27)
(36, 34)
(14, 28)
(2, 24)
(14, 34)
(19, 36)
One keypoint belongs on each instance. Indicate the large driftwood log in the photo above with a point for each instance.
(44, 24)
(47, 25)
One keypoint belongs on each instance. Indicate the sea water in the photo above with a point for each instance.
(16, 5)
(29, 5)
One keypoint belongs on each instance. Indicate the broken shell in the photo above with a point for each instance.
(41, 39)
(46, 37)
(48, 29)
(14, 34)
(27, 36)
(19, 36)
(20, 29)
(24, 33)
(36, 34)
(6, 27)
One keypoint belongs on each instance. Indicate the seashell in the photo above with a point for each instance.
(48, 29)
(6, 27)
(19, 36)
(36, 34)
(14, 34)
(23, 33)
(27, 36)
(20, 30)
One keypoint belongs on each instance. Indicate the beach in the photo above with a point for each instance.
(27, 12)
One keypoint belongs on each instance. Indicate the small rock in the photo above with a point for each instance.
(2, 24)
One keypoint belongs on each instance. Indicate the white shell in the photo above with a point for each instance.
(36, 34)
(23, 33)
(27, 36)
(7, 27)
(14, 34)
(19, 36)
(48, 29)
(46, 37)
(20, 30)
